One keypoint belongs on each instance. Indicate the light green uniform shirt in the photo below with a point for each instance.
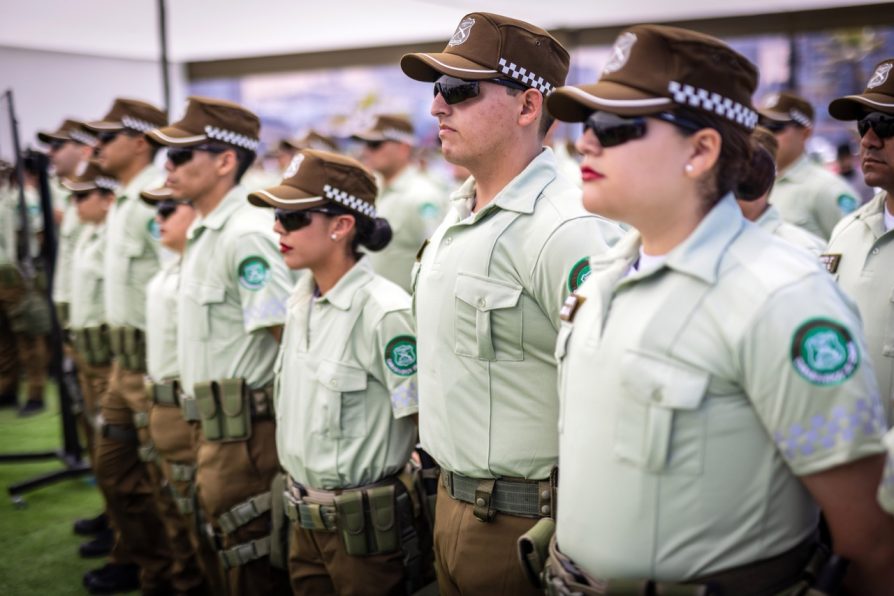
(35, 219)
(69, 230)
(87, 308)
(414, 206)
(810, 196)
(233, 287)
(886, 488)
(7, 226)
(771, 221)
(488, 292)
(346, 382)
(865, 271)
(161, 322)
(695, 392)
(133, 254)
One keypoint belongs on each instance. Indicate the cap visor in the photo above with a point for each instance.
(368, 137)
(171, 136)
(285, 197)
(49, 137)
(101, 125)
(74, 186)
(854, 107)
(429, 67)
(156, 195)
(775, 116)
(575, 104)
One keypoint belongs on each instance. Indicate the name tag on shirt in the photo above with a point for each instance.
(830, 261)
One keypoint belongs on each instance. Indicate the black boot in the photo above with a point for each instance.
(92, 525)
(112, 578)
(99, 546)
(31, 407)
(9, 400)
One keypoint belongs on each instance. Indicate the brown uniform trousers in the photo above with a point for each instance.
(472, 557)
(174, 439)
(152, 532)
(230, 473)
(19, 348)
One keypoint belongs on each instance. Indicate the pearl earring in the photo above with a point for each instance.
(334, 237)
(689, 167)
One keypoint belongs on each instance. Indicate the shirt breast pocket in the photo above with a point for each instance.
(127, 251)
(488, 318)
(339, 408)
(659, 426)
(205, 296)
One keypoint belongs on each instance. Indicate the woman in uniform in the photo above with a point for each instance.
(345, 387)
(715, 387)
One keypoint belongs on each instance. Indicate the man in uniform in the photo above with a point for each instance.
(288, 148)
(145, 517)
(860, 252)
(231, 309)
(411, 202)
(806, 194)
(488, 292)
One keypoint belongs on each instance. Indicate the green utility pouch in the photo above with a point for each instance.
(62, 312)
(351, 522)
(164, 394)
(206, 399)
(383, 519)
(134, 349)
(533, 549)
(279, 527)
(236, 409)
(93, 343)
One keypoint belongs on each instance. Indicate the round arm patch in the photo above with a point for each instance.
(824, 352)
(400, 355)
(254, 273)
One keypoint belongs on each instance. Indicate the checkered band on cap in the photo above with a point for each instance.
(523, 75)
(233, 138)
(349, 201)
(136, 124)
(800, 117)
(397, 135)
(82, 137)
(106, 183)
(709, 101)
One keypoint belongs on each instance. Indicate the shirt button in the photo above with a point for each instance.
(480, 502)
(334, 383)
(656, 396)
(545, 510)
(448, 239)
(875, 250)
(482, 302)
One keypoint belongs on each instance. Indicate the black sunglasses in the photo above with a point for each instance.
(56, 144)
(775, 126)
(181, 155)
(295, 220)
(373, 145)
(455, 90)
(881, 124)
(107, 136)
(612, 130)
(167, 207)
(81, 196)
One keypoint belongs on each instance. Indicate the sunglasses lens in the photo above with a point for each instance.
(455, 90)
(106, 137)
(292, 220)
(373, 145)
(612, 130)
(883, 126)
(179, 155)
(81, 196)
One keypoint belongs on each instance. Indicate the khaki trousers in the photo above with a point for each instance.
(473, 557)
(152, 532)
(319, 565)
(19, 349)
(228, 474)
(175, 441)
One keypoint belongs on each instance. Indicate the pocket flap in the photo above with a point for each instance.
(341, 377)
(132, 247)
(484, 293)
(205, 293)
(663, 382)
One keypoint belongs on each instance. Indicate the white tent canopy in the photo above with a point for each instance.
(217, 29)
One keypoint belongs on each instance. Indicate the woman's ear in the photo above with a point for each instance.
(705, 147)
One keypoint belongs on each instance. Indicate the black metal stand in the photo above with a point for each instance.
(61, 369)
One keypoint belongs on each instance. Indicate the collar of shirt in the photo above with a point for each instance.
(215, 220)
(519, 195)
(699, 255)
(769, 219)
(341, 296)
(873, 214)
(141, 181)
(889, 219)
(797, 171)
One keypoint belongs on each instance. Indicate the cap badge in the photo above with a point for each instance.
(462, 32)
(880, 75)
(771, 100)
(620, 53)
(293, 166)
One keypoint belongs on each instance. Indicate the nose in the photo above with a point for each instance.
(278, 229)
(871, 140)
(439, 107)
(588, 144)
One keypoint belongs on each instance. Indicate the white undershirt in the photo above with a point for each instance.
(646, 262)
(889, 219)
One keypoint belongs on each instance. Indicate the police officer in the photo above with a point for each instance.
(171, 434)
(487, 295)
(349, 346)
(231, 307)
(715, 384)
(312, 139)
(132, 256)
(753, 199)
(806, 194)
(408, 199)
(860, 251)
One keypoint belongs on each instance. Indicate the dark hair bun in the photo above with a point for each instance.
(376, 235)
(757, 174)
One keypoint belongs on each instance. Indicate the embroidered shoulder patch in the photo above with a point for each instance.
(254, 272)
(400, 355)
(579, 274)
(847, 203)
(830, 261)
(824, 352)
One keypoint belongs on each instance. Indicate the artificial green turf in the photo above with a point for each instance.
(38, 550)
